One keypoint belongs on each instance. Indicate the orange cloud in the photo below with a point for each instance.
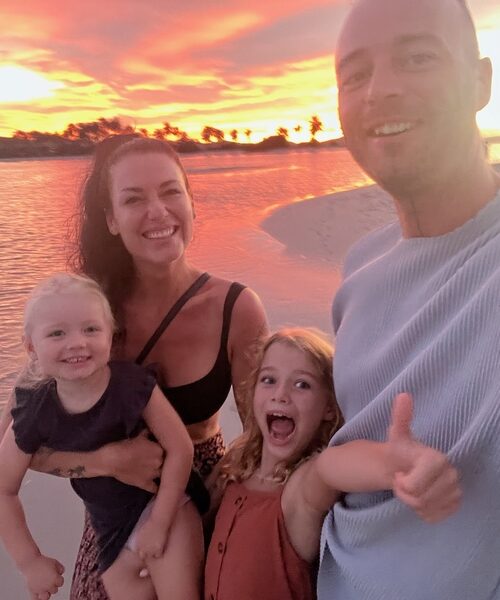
(232, 64)
(206, 31)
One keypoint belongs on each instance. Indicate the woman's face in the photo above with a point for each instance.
(151, 209)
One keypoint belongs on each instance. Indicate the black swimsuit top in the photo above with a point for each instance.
(199, 400)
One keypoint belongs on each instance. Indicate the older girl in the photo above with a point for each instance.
(275, 485)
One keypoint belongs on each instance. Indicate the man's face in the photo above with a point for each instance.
(409, 89)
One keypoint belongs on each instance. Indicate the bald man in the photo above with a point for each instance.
(419, 307)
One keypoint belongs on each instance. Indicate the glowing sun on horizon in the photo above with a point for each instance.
(18, 84)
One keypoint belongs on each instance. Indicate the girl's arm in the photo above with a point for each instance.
(136, 461)
(419, 476)
(169, 430)
(248, 324)
(43, 574)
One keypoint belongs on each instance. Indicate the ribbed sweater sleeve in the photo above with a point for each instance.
(420, 315)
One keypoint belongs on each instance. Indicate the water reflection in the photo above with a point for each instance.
(233, 193)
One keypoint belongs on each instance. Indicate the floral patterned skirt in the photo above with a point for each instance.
(87, 584)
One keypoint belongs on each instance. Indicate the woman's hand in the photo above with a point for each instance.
(136, 461)
(424, 479)
(43, 576)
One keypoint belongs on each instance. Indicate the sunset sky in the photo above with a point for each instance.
(240, 64)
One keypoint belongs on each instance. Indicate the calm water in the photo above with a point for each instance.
(233, 194)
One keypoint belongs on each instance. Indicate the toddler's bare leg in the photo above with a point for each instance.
(122, 581)
(177, 575)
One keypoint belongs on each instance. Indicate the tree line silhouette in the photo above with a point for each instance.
(80, 138)
(96, 131)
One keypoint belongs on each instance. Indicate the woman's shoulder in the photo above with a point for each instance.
(246, 300)
(242, 302)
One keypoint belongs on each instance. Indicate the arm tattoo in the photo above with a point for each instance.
(75, 472)
(72, 472)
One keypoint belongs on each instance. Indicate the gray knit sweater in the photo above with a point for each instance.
(420, 315)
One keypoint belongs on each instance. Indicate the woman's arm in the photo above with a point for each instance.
(136, 461)
(248, 324)
(43, 574)
(172, 435)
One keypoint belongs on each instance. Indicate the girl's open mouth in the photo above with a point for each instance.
(280, 426)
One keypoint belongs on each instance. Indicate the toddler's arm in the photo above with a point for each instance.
(172, 435)
(43, 574)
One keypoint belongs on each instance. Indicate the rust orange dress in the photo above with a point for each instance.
(250, 555)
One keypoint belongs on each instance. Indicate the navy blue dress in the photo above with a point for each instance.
(39, 419)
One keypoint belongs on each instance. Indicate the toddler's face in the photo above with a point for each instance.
(70, 335)
(290, 401)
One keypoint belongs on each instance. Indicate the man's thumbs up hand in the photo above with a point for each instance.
(423, 478)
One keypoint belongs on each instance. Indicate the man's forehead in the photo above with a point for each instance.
(382, 22)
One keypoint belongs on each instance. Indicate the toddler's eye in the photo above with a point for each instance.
(267, 379)
(56, 333)
(92, 329)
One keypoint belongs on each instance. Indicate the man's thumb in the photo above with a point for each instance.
(402, 414)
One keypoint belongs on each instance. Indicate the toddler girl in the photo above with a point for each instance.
(274, 485)
(74, 399)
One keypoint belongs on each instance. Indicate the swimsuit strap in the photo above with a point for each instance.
(170, 316)
(232, 295)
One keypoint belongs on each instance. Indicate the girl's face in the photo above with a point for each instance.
(290, 402)
(151, 208)
(70, 336)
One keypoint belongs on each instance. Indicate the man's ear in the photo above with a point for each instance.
(111, 223)
(483, 83)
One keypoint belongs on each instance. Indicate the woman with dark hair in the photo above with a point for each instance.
(136, 222)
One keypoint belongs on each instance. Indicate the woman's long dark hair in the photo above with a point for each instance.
(100, 254)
